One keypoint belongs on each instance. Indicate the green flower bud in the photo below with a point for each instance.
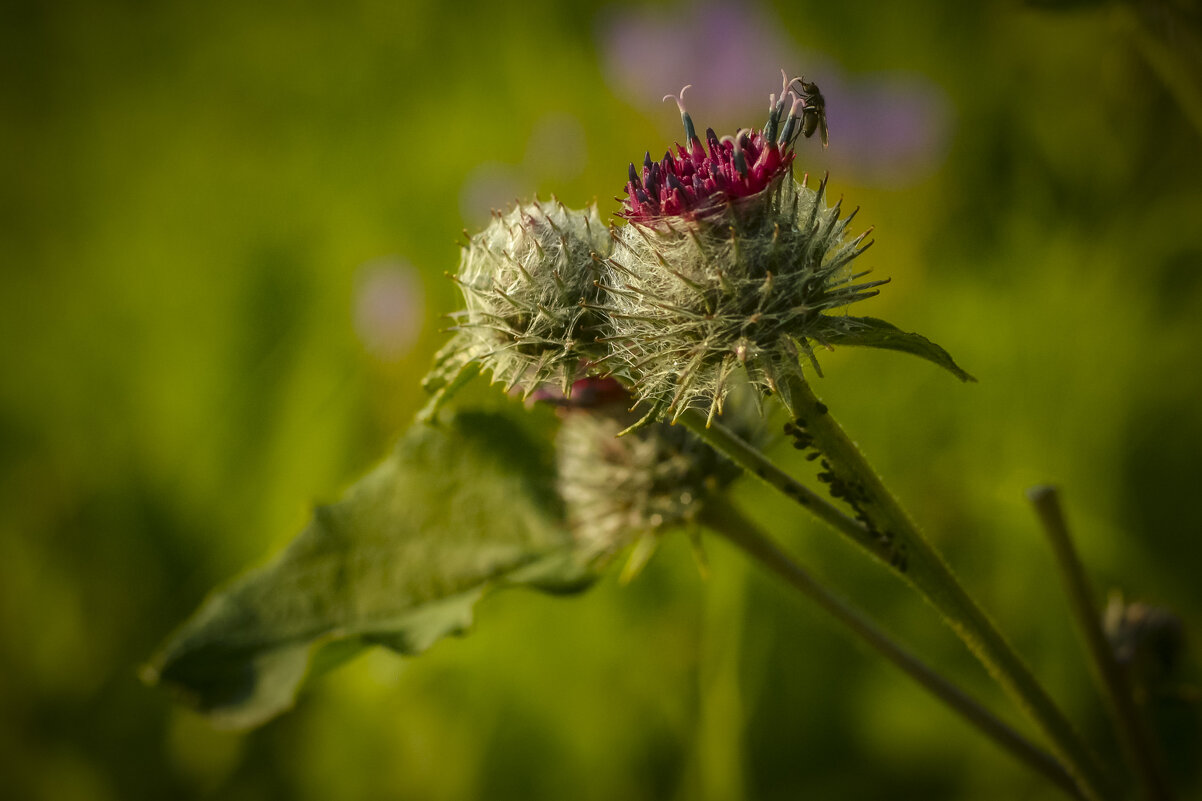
(529, 285)
(632, 489)
(692, 301)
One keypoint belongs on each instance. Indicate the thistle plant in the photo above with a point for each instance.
(730, 266)
(691, 309)
(728, 272)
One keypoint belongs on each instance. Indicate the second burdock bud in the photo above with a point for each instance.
(529, 284)
(628, 490)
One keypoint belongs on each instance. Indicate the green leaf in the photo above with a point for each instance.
(456, 511)
(870, 332)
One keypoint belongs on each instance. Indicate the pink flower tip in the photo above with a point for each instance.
(696, 181)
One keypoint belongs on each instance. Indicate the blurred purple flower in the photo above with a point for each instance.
(389, 308)
(727, 51)
(890, 128)
(491, 185)
(695, 182)
(555, 152)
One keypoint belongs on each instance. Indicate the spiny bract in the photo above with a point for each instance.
(691, 301)
(728, 264)
(529, 285)
(623, 490)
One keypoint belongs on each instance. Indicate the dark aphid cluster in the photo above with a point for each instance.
(848, 490)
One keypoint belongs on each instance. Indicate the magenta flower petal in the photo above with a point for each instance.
(704, 178)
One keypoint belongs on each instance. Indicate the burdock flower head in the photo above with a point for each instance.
(529, 283)
(631, 490)
(729, 264)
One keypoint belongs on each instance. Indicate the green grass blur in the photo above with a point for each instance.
(188, 193)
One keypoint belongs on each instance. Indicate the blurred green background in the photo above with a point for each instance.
(224, 228)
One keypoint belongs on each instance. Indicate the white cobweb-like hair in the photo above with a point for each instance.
(690, 302)
(529, 282)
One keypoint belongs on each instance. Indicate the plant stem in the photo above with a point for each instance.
(751, 459)
(853, 479)
(1132, 731)
(734, 526)
(1169, 41)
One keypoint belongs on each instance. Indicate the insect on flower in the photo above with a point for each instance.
(814, 113)
(730, 266)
